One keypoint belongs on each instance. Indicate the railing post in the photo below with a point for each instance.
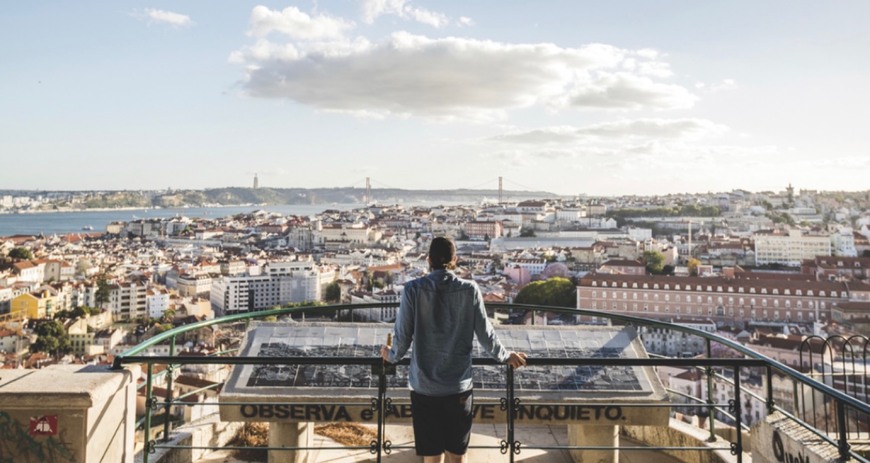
(737, 448)
(770, 401)
(168, 407)
(383, 404)
(711, 411)
(843, 442)
(513, 445)
(149, 445)
(382, 395)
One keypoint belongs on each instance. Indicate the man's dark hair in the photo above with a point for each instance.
(441, 253)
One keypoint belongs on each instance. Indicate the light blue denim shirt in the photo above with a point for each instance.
(441, 314)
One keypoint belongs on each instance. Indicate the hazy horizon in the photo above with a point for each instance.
(568, 97)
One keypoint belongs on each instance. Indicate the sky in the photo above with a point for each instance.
(570, 97)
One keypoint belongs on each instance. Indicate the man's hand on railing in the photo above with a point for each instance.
(517, 359)
(385, 353)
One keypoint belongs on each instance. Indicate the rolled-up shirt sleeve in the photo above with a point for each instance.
(403, 330)
(485, 332)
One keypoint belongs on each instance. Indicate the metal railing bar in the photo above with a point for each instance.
(841, 398)
(625, 319)
(362, 403)
(231, 447)
(592, 447)
(594, 361)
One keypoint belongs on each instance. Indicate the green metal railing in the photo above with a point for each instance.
(838, 435)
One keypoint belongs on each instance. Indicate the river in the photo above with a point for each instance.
(50, 223)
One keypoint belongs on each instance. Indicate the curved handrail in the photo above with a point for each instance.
(625, 319)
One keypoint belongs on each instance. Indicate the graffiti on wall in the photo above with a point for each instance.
(17, 445)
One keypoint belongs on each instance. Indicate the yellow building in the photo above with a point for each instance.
(34, 305)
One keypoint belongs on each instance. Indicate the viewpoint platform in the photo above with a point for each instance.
(593, 401)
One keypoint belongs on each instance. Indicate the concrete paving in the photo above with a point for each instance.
(482, 435)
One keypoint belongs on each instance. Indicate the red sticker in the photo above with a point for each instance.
(43, 425)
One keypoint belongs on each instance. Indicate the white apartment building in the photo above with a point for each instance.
(789, 249)
(233, 268)
(109, 338)
(281, 283)
(844, 243)
(56, 270)
(127, 301)
(240, 294)
(30, 271)
(533, 266)
(13, 341)
(157, 301)
(339, 235)
(83, 295)
(193, 285)
(677, 344)
(570, 214)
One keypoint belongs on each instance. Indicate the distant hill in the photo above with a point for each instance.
(231, 196)
(236, 195)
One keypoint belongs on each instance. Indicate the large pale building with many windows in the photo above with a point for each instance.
(789, 249)
(723, 300)
(281, 283)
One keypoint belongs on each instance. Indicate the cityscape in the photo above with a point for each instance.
(179, 179)
(767, 269)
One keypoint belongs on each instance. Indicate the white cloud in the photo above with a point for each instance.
(297, 24)
(623, 90)
(465, 21)
(152, 16)
(452, 77)
(372, 9)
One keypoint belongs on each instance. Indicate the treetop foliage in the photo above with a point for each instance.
(557, 291)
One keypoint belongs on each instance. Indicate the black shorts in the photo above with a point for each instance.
(442, 423)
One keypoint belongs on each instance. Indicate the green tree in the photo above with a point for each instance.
(693, 266)
(21, 253)
(654, 261)
(168, 316)
(52, 338)
(556, 291)
(332, 293)
(103, 292)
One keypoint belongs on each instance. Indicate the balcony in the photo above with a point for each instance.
(530, 414)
